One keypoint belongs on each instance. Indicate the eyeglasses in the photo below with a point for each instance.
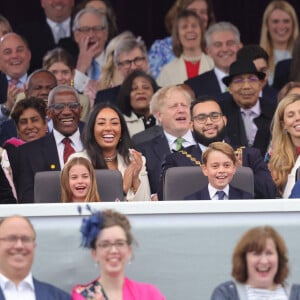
(239, 82)
(58, 107)
(229, 43)
(13, 239)
(107, 246)
(202, 118)
(138, 61)
(94, 29)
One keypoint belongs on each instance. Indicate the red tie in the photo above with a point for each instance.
(298, 150)
(68, 148)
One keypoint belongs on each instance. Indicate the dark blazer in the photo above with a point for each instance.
(36, 156)
(264, 187)
(147, 134)
(207, 84)
(282, 73)
(3, 87)
(235, 125)
(155, 151)
(6, 194)
(45, 291)
(234, 193)
(108, 95)
(40, 39)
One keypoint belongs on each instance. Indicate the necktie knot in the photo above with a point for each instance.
(221, 195)
(68, 150)
(14, 81)
(179, 142)
(60, 32)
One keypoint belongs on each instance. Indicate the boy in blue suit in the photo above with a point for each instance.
(219, 165)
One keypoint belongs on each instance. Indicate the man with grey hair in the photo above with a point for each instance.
(51, 152)
(129, 55)
(90, 30)
(222, 42)
(171, 107)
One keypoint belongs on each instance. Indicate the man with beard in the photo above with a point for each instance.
(208, 126)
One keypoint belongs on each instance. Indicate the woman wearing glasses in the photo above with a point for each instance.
(108, 235)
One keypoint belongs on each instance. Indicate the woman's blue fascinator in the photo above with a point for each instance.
(90, 227)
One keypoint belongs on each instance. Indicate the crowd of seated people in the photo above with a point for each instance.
(126, 110)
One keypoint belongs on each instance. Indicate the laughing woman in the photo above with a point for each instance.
(188, 45)
(259, 269)
(108, 145)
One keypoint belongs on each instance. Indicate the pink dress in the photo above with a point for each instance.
(132, 290)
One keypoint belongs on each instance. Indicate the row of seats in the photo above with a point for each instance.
(179, 182)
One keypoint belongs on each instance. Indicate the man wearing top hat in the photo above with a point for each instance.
(249, 117)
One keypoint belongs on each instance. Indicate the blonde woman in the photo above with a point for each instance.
(279, 32)
(285, 159)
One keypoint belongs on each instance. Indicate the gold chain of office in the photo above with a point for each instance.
(238, 153)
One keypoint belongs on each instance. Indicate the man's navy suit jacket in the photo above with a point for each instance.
(45, 291)
(234, 193)
(155, 151)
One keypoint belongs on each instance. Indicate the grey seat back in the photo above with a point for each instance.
(47, 186)
(182, 181)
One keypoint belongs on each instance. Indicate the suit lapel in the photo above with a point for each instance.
(50, 152)
(161, 147)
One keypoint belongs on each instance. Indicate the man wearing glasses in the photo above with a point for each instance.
(17, 249)
(130, 54)
(52, 151)
(208, 126)
(249, 117)
(90, 29)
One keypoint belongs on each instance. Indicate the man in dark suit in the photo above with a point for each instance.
(171, 107)
(249, 117)
(209, 125)
(17, 250)
(131, 54)
(14, 63)
(48, 153)
(6, 194)
(223, 42)
(46, 34)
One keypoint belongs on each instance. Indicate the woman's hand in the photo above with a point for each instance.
(131, 174)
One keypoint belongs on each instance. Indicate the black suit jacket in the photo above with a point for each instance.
(147, 134)
(40, 39)
(264, 187)
(235, 125)
(282, 73)
(155, 152)
(207, 84)
(234, 193)
(3, 87)
(6, 194)
(108, 95)
(36, 156)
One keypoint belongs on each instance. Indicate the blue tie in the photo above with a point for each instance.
(95, 70)
(221, 195)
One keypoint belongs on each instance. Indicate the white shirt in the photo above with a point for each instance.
(22, 80)
(81, 80)
(212, 192)
(264, 294)
(75, 142)
(220, 75)
(55, 28)
(188, 140)
(24, 291)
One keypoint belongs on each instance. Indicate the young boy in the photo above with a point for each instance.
(219, 165)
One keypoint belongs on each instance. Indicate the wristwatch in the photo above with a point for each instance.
(5, 111)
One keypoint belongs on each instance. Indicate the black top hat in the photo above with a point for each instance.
(240, 67)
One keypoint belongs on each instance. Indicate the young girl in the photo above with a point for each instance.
(78, 181)
(219, 165)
